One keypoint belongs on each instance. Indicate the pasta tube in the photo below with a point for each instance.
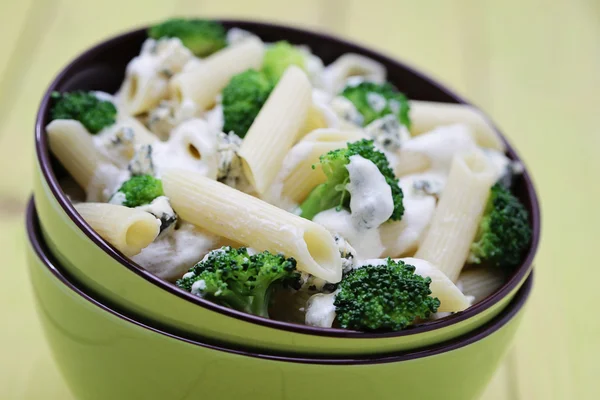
(203, 83)
(74, 147)
(275, 129)
(427, 115)
(458, 213)
(244, 219)
(129, 230)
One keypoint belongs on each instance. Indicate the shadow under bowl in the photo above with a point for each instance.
(107, 274)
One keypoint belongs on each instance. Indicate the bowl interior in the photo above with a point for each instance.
(103, 67)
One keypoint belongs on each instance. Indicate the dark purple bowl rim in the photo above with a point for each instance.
(43, 158)
(35, 239)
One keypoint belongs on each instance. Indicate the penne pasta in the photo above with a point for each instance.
(298, 175)
(74, 147)
(215, 146)
(244, 219)
(147, 75)
(203, 83)
(129, 230)
(427, 115)
(314, 120)
(480, 282)
(458, 213)
(334, 135)
(350, 65)
(411, 162)
(192, 146)
(275, 129)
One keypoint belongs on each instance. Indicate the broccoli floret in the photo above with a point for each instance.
(375, 100)
(84, 107)
(243, 98)
(387, 296)
(236, 279)
(504, 231)
(279, 57)
(333, 192)
(138, 190)
(202, 37)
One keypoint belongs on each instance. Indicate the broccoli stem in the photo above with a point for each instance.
(323, 197)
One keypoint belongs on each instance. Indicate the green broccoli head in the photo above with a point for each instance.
(84, 107)
(236, 279)
(202, 37)
(243, 98)
(279, 57)
(333, 192)
(504, 231)
(375, 100)
(383, 297)
(139, 190)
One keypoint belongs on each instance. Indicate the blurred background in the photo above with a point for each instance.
(533, 65)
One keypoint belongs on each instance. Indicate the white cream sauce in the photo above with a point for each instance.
(403, 237)
(192, 146)
(504, 166)
(322, 101)
(320, 310)
(116, 143)
(170, 257)
(168, 114)
(237, 36)
(214, 118)
(346, 111)
(440, 145)
(106, 181)
(387, 133)
(371, 204)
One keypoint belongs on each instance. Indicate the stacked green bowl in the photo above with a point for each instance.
(119, 332)
(105, 352)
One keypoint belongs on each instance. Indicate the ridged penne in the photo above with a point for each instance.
(427, 115)
(74, 147)
(129, 230)
(314, 120)
(275, 129)
(203, 83)
(244, 219)
(458, 213)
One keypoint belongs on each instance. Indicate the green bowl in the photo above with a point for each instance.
(107, 354)
(106, 274)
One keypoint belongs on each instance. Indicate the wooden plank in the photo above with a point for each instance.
(13, 25)
(545, 85)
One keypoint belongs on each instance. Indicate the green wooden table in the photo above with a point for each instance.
(533, 65)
